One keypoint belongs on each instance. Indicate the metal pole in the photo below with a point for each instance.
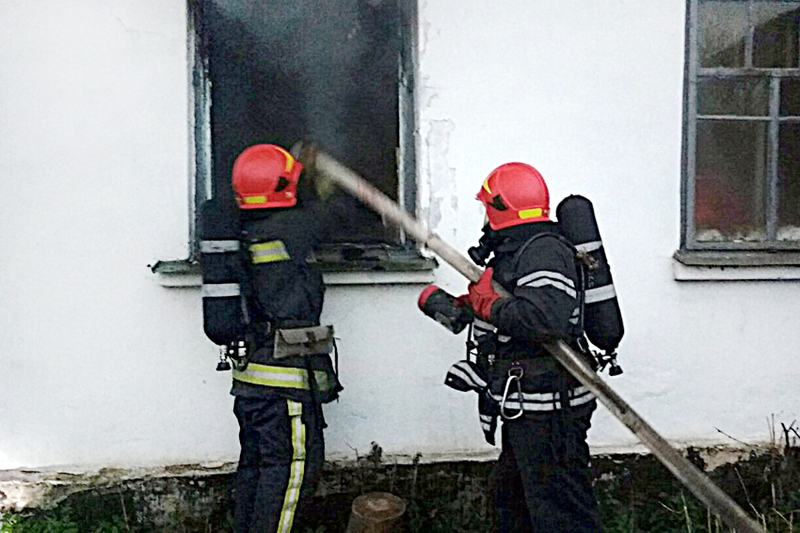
(697, 482)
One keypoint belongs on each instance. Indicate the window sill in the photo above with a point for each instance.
(735, 266)
(342, 265)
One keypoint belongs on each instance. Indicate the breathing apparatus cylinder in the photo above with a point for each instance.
(444, 308)
(224, 320)
(602, 316)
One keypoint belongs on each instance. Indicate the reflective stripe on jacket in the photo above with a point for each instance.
(283, 377)
(468, 376)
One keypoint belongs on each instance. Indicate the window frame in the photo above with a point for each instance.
(730, 253)
(398, 262)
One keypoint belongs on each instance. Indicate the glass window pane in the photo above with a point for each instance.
(732, 96)
(789, 183)
(775, 37)
(730, 180)
(722, 31)
(790, 98)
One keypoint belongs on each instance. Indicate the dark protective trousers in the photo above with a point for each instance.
(543, 479)
(282, 452)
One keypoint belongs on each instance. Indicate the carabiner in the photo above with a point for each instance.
(515, 373)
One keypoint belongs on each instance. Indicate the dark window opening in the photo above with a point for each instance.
(337, 72)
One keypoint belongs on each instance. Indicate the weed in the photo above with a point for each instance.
(58, 521)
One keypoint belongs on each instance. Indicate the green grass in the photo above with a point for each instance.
(58, 521)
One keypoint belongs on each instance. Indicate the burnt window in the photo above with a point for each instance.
(338, 72)
(741, 185)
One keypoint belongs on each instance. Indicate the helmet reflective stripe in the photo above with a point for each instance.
(280, 377)
(218, 247)
(268, 252)
(220, 290)
(606, 292)
(289, 159)
(530, 213)
(297, 469)
(254, 199)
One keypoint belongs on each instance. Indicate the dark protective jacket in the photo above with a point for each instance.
(543, 479)
(536, 265)
(284, 289)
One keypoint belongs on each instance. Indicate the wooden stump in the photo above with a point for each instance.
(377, 512)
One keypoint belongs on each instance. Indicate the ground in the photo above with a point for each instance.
(636, 493)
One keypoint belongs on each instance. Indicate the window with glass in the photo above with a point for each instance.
(741, 189)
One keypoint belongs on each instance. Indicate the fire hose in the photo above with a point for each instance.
(683, 469)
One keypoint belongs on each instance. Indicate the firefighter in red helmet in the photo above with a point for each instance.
(287, 372)
(544, 484)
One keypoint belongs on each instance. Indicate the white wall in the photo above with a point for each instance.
(103, 366)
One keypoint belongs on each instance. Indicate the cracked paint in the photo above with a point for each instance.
(441, 174)
(425, 26)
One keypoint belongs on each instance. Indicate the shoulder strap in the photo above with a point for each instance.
(563, 240)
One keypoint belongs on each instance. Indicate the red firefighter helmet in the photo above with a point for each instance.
(513, 194)
(265, 176)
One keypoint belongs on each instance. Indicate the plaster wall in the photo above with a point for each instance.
(103, 366)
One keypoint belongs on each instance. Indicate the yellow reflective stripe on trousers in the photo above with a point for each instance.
(281, 376)
(268, 252)
(298, 466)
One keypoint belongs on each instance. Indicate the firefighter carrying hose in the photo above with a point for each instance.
(544, 483)
(282, 369)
